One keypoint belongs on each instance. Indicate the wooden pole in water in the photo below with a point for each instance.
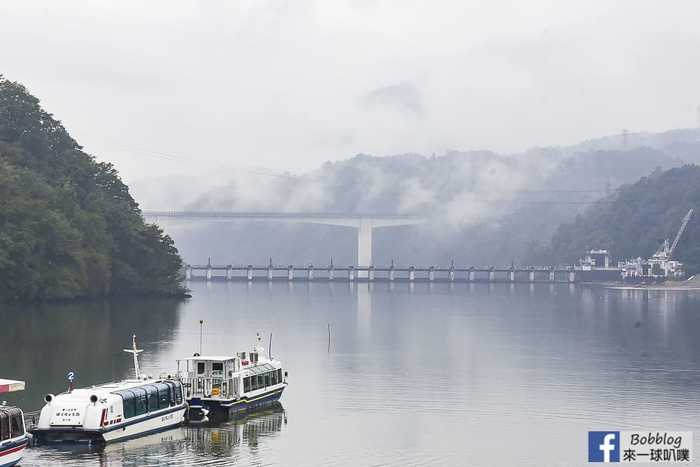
(329, 337)
(201, 324)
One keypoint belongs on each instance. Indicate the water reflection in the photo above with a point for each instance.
(429, 374)
(41, 343)
(219, 445)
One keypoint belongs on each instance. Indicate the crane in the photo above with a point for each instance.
(684, 224)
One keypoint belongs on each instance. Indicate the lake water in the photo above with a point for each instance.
(473, 375)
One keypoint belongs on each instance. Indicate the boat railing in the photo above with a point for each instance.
(208, 386)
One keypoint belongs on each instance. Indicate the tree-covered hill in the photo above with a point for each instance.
(634, 221)
(68, 226)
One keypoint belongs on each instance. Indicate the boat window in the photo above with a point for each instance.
(267, 379)
(178, 393)
(217, 366)
(152, 393)
(16, 425)
(261, 381)
(163, 396)
(4, 426)
(273, 377)
(246, 384)
(200, 368)
(141, 401)
(279, 375)
(129, 403)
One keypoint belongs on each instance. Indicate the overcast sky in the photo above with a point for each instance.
(189, 86)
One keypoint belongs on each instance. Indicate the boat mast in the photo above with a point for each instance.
(133, 350)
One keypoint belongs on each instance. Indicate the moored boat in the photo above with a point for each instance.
(112, 411)
(13, 436)
(220, 388)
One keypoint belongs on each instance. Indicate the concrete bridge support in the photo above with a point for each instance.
(431, 274)
(492, 274)
(351, 274)
(551, 275)
(411, 274)
(511, 275)
(531, 276)
(471, 275)
(290, 273)
(572, 276)
(310, 273)
(371, 274)
(249, 272)
(229, 272)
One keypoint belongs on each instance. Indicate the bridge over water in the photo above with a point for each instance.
(363, 223)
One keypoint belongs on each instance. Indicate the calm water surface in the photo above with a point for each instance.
(471, 375)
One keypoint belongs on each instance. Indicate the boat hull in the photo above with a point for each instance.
(120, 432)
(11, 453)
(221, 410)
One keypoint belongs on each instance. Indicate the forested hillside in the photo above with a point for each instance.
(634, 221)
(68, 226)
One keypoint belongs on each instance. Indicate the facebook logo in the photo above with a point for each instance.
(603, 446)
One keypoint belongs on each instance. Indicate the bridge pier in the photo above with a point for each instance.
(511, 275)
(188, 273)
(290, 272)
(209, 272)
(551, 275)
(371, 274)
(431, 274)
(351, 274)
(572, 276)
(310, 272)
(492, 274)
(249, 272)
(471, 275)
(531, 275)
(411, 273)
(229, 272)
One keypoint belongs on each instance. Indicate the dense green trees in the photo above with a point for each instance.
(68, 226)
(635, 220)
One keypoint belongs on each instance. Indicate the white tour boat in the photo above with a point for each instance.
(112, 411)
(219, 388)
(13, 436)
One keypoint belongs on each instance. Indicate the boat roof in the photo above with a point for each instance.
(11, 385)
(214, 358)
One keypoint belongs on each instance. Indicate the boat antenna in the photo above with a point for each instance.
(133, 350)
(269, 350)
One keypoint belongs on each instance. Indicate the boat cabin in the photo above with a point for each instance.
(212, 376)
(11, 423)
